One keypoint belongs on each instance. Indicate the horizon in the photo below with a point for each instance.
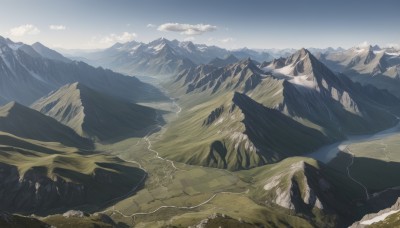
(60, 49)
(98, 24)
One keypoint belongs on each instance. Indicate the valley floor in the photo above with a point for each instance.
(181, 195)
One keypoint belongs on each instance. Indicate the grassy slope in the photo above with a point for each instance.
(28, 123)
(188, 140)
(375, 162)
(96, 115)
(71, 164)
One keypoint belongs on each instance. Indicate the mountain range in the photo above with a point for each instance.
(372, 65)
(28, 74)
(300, 94)
(163, 57)
(240, 126)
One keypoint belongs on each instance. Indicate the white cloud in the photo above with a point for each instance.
(189, 38)
(187, 29)
(23, 30)
(114, 38)
(57, 27)
(227, 40)
(150, 25)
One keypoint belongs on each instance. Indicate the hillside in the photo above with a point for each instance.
(95, 115)
(27, 123)
(42, 177)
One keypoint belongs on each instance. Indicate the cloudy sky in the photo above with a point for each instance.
(90, 24)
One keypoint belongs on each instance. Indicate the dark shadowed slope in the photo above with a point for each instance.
(96, 115)
(24, 122)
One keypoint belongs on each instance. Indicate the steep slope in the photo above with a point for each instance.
(313, 92)
(368, 65)
(44, 178)
(243, 76)
(241, 116)
(48, 53)
(24, 122)
(26, 76)
(307, 188)
(95, 115)
(389, 217)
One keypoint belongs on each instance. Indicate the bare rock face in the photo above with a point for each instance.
(74, 213)
(215, 114)
(377, 217)
(299, 190)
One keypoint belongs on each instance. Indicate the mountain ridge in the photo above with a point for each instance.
(95, 115)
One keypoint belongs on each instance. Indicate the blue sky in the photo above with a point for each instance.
(89, 24)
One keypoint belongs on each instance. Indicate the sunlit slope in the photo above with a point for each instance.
(24, 122)
(241, 116)
(95, 115)
(41, 177)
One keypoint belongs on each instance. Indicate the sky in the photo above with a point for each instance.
(94, 24)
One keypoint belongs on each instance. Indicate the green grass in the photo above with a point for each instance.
(103, 176)
(94, 221)
(375, 162)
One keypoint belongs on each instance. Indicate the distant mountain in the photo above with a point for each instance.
(259, 56)
(95, 115)
(368, 65)
(246, 116)
(48, 53)
(325, 50)
(162, 57)
(218, 62)
(27, 123)
(27, 75)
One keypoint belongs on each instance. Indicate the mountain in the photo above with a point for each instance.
(307, 188)
(95, 115)
(218, 62)
(26, 75)
(27, 123)
(242, 116)
(162, 57)
(47, 53)
(368, 65)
